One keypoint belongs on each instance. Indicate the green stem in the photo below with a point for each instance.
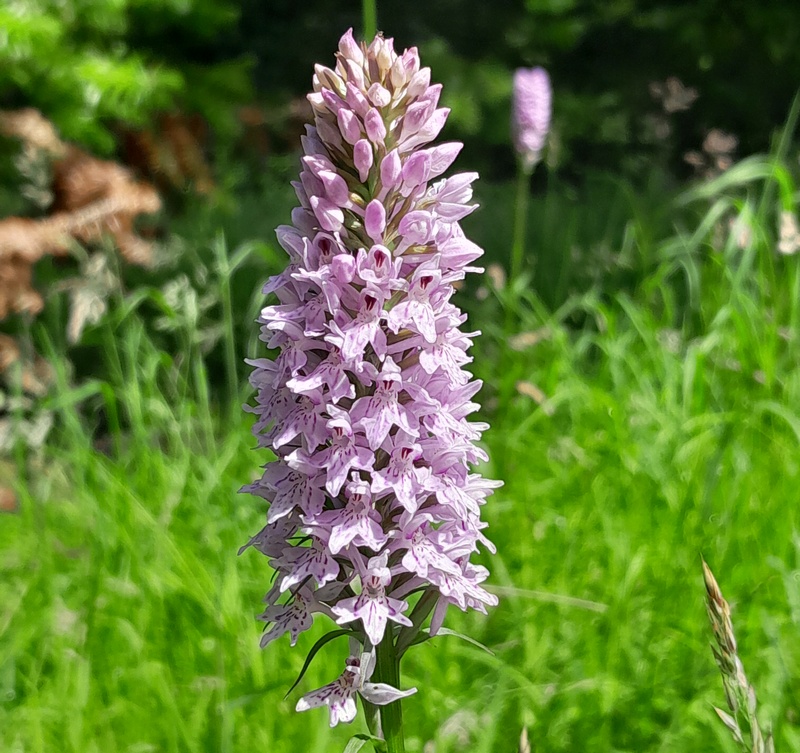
(369, 15)
(520, 221)
(373, 716)
(387, 669)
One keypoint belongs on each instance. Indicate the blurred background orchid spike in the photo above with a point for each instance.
(532, 110)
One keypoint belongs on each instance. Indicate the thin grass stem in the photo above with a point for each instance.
(229, 337)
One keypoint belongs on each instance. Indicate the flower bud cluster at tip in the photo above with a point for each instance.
(371, 497)
(531, 112)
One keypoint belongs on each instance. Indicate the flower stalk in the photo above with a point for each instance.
(520, 220)
(388, 671)
(530, 125)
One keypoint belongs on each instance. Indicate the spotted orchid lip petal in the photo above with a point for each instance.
(372, 495)
(339, 695)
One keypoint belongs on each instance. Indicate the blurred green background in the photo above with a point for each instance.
(641, 377)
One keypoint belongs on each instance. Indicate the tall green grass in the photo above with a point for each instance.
(668, 427)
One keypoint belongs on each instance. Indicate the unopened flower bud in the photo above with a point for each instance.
(378, 95)
(350, 49)
(329, 79)
(391, 170)
(375, 127)
(363, 158)
(375, 220)
(349, 125)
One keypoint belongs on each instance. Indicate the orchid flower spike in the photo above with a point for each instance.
(374, 505)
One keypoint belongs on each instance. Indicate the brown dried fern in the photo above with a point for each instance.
(172, 153)
(91, 198)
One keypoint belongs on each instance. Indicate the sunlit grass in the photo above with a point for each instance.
(669, 426)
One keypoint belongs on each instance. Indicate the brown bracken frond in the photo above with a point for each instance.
(91, 198)
(172, 153)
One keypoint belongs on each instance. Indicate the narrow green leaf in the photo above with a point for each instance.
(75, 396)
(327, 638)
(357, 742)
(477, 644)
(426, 636)
(408, 635)
(247, 250)
(779, 411)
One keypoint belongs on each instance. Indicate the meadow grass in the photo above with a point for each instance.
(643, 425)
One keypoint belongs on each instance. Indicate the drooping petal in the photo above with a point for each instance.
(382, 694)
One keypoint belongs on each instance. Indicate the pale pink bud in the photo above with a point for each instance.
(330, 136)
(311, 142)
(350, 49)
(374, 47)
(349, 125)
(410, 60)
(308, 186)
(375, 127)
(420, 81)
(356, 100)
(385, 56)
(335, 187)
(363, 158)
(430, 129)
(378, 95)
(329, 79)
(332, 100)
(391, 169)
(375, 220)
(317, 163)
(432, 94)
(355, 73)
(330, 216)
(316, 102)
(415, 117)
(415, 171)
(398, 74)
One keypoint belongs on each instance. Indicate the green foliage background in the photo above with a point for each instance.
(601, 55)
(667, 359)
(88, 63)
(91, 62)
